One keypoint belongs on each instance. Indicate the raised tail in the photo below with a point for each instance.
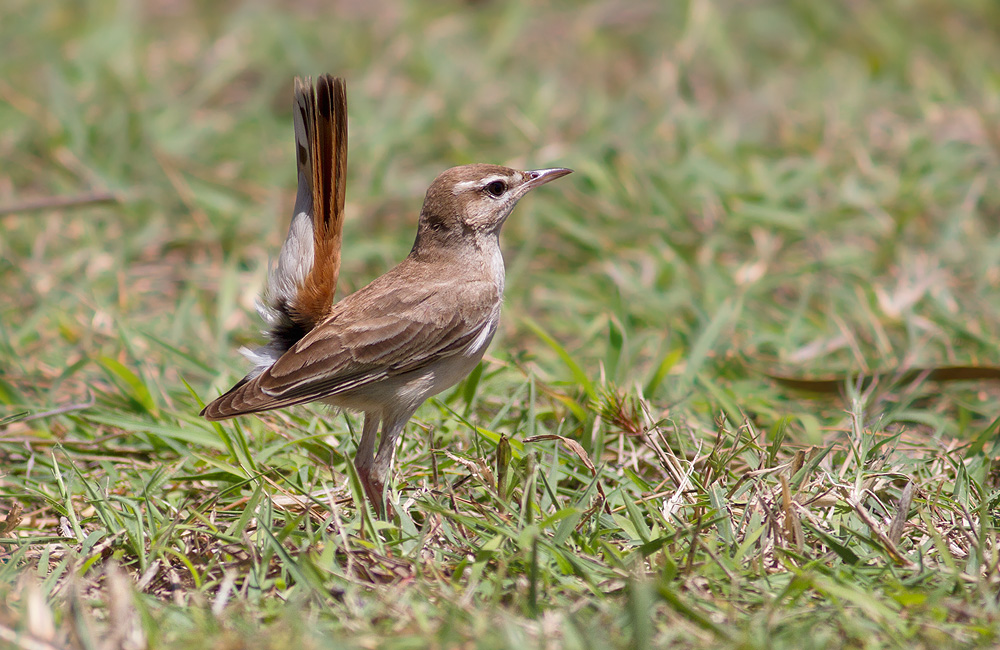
(302, 284)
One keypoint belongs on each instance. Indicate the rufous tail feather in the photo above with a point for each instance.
(303, 282)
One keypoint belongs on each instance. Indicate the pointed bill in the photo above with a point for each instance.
(538, 177)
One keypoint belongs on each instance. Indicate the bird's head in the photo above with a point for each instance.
(466, 201)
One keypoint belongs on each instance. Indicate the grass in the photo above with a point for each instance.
(798, 188)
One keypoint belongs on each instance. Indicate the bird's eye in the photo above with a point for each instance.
(496, 188)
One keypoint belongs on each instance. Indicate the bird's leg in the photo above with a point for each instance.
(379, 470)
(364, 462)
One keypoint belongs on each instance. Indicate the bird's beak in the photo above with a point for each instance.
(538, 177)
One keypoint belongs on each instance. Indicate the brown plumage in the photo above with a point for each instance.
(303, 282)
(398, 324)
(411, 333)
(324, 114)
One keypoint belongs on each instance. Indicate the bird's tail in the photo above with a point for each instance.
(303, 282)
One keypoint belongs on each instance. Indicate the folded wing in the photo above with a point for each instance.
(369, 337)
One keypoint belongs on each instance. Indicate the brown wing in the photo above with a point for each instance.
(387, 329)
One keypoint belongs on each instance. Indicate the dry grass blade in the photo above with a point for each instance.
(68, 408)
(12, 520)
(888, 544)
(577, 449)
(17, 640)
(123, 629)
(793, 526)
(902, 512)
(53, 203)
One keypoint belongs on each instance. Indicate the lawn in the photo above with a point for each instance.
(764, 189)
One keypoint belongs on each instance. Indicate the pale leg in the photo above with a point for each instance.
(364, 462)
(374, 471)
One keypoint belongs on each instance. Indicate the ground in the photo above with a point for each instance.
(762, 189)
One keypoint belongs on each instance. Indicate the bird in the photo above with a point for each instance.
(408, 335)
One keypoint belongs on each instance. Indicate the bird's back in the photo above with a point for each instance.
(411, 318)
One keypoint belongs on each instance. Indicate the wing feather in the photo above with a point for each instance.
(372, 335)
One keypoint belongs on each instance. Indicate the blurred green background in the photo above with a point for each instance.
(821, 172)
(799, 185)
